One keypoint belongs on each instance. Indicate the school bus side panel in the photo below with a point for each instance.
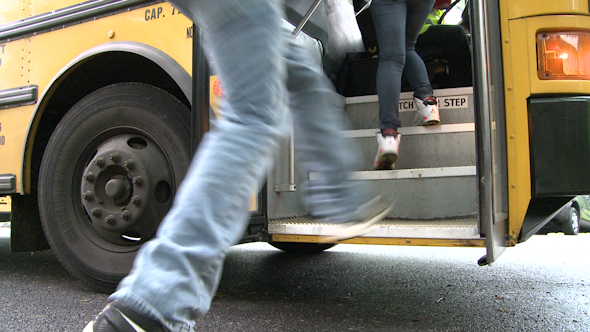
(521, 82)
(519, 8)
(12, 126)
(11, 10)
(47, 60)
(517, 92)
(39, 62)
(13, 121)
(41, 7)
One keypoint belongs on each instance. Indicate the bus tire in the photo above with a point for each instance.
(302, 248)
(108, 176)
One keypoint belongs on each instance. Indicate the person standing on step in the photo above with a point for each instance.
(398, 24)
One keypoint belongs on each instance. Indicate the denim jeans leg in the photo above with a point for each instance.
(389, 19)
(176, 274)
(415, 70)
(318, 116)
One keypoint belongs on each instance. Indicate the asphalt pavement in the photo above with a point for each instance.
(542, 285)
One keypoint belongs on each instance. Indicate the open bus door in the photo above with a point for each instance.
(490, 127)
(483, 222)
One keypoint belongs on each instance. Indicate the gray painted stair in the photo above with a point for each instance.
(433, 185)
(434, 177)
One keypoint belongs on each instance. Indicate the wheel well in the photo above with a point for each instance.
(82, 79)
(92, 74)
(576, 205)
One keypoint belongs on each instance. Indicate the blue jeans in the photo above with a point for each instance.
(265, 73)
(398, 24)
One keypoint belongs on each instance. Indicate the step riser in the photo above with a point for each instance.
(367, 116)
(455, 105)
(417, 198)
(432, 198)
(422, 151)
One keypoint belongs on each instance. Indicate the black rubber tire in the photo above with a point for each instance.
(571, 226)
(302, 248)
(91, 251)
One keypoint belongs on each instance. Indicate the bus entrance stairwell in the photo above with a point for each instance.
(434, 183)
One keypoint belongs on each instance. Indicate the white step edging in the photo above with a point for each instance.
(414, 173)
(408, 131)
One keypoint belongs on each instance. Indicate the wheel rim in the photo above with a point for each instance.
(125, 190)
(575, 220)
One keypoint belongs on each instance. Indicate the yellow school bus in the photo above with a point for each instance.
(103, 102)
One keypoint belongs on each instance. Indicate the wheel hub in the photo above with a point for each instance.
(116, 188)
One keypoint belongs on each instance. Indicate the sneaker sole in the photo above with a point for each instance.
(360, 228)
(89, 327)
(386, 161)
(430, 123)
(117, 317)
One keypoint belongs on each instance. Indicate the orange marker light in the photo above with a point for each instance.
(563, 55)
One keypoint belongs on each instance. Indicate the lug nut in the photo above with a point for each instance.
(138, 180)
(126, 215)
(136, 200)
(87, 196)
(110, 219)
(95, 212)
(115, 157)
(129, 164)
(99, 162)
(89, 177)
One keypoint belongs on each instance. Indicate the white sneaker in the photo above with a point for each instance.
(365, 216)
(388, 151)
(426, 112)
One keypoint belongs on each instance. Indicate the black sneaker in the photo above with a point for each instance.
(116, 317)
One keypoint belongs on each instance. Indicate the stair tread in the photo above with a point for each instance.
(465, 228)
(411, 173)
(454, 222)
(418, 130)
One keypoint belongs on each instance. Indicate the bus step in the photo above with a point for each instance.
(464, 228)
